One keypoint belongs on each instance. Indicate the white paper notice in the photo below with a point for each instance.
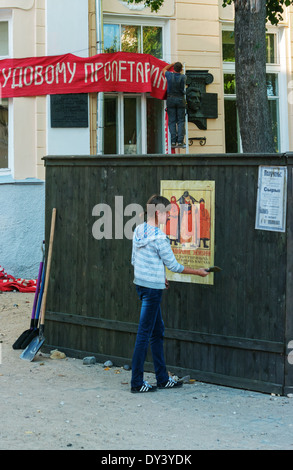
(271, 198)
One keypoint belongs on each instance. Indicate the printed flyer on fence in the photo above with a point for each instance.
(190, 227)
(271, 199)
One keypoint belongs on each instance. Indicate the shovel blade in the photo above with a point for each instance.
(29, 338)
(31, 350)
(21, 339)
(213, 269)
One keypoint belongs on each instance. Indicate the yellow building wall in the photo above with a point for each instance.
(195, 37)
(29, 114)
(121, 8)
(196, 41)
(197, 44)
(40, 101)
(92, 96)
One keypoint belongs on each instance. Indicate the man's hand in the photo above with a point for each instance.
(167, 67)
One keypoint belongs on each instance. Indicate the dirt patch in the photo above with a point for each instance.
(63, 404)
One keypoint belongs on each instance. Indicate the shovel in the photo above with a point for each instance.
(19, 342)
(213, 269)
(31, 350)
(34, 331)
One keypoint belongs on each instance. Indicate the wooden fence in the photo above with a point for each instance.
(235, 332)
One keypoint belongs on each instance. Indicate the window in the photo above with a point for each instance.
(4, 133)
(271, 48)
(4, 39)
(4, 53)
(133, 38)
(228, 46)
(122, 121)
(232, 134)
(110, 125)
(273, 97)
(232, 137)
(111, 38)
(155, 128)
(134, 123)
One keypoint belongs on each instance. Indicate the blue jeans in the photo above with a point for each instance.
(176, 118)
(150, 330)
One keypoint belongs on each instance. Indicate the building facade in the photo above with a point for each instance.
(198, 34)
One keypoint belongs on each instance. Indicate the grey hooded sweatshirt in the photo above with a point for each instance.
(151, 252)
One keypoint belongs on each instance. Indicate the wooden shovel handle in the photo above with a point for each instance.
(48, 267)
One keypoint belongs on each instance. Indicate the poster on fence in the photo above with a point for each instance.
(271, 199)
(190, 227)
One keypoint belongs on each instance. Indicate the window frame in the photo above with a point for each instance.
(141, 21)
(277, 68)
(6, 16)
(141, 118)
(270, 31)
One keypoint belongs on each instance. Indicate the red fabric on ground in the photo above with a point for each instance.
(10, 283)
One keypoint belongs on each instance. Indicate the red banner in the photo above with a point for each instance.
(50, 75)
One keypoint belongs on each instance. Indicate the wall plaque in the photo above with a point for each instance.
(200, 105)
(70, 110)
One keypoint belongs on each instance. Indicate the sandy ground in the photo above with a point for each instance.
(63, 404)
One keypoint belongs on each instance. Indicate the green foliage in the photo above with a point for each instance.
(275, 9)
(152, 41)
(155, 5)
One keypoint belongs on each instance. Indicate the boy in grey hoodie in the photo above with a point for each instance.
(151, 253)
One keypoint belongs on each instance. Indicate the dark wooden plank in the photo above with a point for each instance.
(235, 327)
(170, 333)
(166, 160)
(288, 365)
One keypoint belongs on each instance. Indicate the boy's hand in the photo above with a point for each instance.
(203, 272)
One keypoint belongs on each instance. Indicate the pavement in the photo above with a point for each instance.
(62, 404)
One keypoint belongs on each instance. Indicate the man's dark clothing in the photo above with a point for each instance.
(176, 105)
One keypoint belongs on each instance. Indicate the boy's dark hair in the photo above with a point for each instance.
(157, 199)
(177, 67)
(156, 202)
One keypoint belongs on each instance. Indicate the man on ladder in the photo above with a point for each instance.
(176, 103)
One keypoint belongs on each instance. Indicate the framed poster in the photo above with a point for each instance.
(271, 198)
(190, 227)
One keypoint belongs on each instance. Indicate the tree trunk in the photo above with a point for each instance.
(250, 67)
